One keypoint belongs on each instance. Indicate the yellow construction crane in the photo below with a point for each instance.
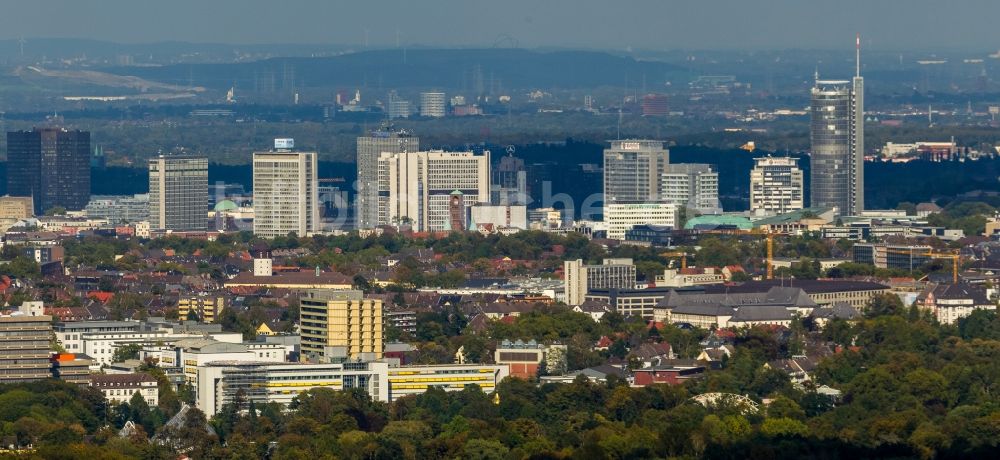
(770, 255)
(769, 235)
(954, 256)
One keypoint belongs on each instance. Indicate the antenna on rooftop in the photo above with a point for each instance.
(857, 45)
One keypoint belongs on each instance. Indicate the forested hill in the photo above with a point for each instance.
(441, 68)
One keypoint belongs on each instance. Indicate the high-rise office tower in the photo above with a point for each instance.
(692, 185)
(838, 143)
(432, 104)
(610, 274)
(633, 170)
(51, 165)
(381, 140)
(340, 325)
(776, 185)
(416, 187)
(285, 196)
(510, 182)
(178, 193)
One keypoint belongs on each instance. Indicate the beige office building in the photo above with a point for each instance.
(340, 325)
(415, 187)
(285, 197)
(26, 349)
(13, 209)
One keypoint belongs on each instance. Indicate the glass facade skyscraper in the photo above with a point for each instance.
(837, 132)
(51, 165)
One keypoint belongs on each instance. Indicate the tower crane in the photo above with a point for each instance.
(931, 254)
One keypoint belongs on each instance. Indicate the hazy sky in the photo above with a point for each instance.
(607, 24)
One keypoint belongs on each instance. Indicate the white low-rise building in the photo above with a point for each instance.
(120, 388)
(220, 382)
(621, 217)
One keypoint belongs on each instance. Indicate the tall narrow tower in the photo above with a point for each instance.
(858, 134)
(837, 135)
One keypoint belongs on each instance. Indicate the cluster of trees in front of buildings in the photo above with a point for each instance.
(911, 388)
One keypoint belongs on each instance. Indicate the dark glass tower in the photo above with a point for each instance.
(51, 165)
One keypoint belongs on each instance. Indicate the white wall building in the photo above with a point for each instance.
(433, 104)
(621, 217)
(285, 196)
(219, 382)
(515, 216)
(776, 185)
(101, 346)
(415, 187)
(120, 388)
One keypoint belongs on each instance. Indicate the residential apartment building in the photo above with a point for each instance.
(776, 185)
(206, 308)
(416, 187)
(692, 185)
(285, 194)
(951, 302)
(340, 325)
(580, 278)
(178, 193)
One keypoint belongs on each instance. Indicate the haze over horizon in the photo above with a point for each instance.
(594, 24)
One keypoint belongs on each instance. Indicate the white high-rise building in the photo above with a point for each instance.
(285, 192)
(433, 104)
(178, 193)
(692, 185)
(415, 187)
(621, 217)
(370, 146)
(776, 185)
